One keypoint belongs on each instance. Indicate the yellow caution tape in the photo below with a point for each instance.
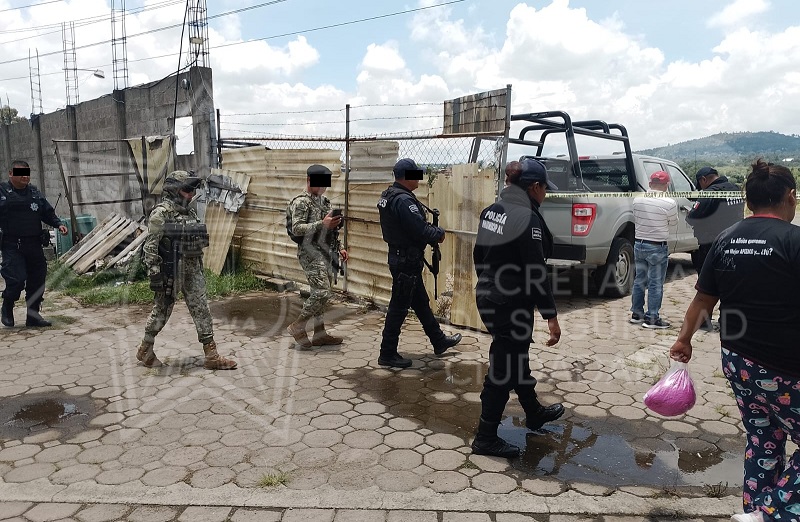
(695, 194)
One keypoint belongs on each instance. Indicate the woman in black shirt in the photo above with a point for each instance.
(753, 270)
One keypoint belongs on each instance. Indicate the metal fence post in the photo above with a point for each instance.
(346, 182)
(504, 147)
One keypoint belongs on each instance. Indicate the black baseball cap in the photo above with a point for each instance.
(532, 171)
(705, 171)
(407, 168)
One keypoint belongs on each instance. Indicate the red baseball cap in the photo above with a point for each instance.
(659, 176)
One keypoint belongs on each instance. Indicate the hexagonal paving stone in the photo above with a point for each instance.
(211, 477)
(442, 460)
(403, 439)
(447, 481)
(401, 459)
(30, 472)
(75, 473)
(494, 483)
(51, 511)
(102, 513)
(164, 476)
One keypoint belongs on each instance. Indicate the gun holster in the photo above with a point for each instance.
(45, 238)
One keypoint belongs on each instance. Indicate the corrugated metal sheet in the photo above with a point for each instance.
(279, 175)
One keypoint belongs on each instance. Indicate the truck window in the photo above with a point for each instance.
(679, 181)
(606, 175)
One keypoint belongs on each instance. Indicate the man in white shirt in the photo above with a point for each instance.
(653, 218)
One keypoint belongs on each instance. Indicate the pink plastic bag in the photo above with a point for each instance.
(674, 394)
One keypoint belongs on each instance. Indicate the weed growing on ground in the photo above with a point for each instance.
(115, 287)
(715, 490)
(468, 464)
(721, 410)
(270, 480)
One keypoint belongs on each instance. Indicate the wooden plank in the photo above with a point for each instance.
(105, 247)
(87, 243)
(91, 249)
(138, 240)
(91, 233)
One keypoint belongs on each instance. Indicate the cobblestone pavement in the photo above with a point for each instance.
(87, 433)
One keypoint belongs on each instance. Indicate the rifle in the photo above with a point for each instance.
(436, 254)
(336, 263)
(179, 239)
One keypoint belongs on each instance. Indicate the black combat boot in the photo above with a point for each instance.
(34, 318)
(537, 415)
(8, 312)
(448, 342)
(393, 360)
(488, 443)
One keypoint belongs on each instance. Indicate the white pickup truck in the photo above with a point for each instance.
(593, 231)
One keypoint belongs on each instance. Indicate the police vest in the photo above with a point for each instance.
(21, 212)
(393, 232)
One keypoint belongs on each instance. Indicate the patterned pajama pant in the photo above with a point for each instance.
(770, 409)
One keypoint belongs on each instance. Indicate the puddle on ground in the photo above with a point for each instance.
(608, 452)
(27, 414)
(268, 315)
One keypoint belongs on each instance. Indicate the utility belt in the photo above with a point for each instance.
(405, 255)
(24, 240)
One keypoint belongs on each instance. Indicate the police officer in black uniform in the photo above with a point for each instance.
(510, 251)
(710, 216)
(406, 229)
(22, 210)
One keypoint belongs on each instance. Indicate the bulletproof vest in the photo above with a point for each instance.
(20, 211)
(392, 230)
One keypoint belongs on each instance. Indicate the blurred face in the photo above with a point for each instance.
(537, 192)
(18, 182)
(187, 195)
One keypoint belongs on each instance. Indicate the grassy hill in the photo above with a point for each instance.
(732, 153)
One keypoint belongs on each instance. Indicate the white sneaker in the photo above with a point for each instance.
(755, 516)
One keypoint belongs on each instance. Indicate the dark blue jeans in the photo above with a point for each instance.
(651, 271)
(408, 291)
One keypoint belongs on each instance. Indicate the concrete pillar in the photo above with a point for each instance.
(36, 126)
(130, 209)
(201, 99)
(71, 156)
(5, 137)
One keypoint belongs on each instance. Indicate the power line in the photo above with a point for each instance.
(88, 20)
(314, 29)
(27, 6)
(151, 31)
(320, 28)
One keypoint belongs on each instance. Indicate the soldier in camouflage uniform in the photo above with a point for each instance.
(187, 275)
(312, 225)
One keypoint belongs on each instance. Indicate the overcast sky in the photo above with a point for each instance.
(669, 71)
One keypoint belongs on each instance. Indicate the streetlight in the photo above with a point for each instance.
(97, 73)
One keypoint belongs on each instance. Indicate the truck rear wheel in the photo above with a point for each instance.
(615, 278)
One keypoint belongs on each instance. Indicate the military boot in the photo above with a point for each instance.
(147, 355)
(321, 337)
(34, 318)
(8, 313)
(214, 361)
(298, 330)
(488, 443)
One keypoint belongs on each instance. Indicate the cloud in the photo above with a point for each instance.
(738, 12)
(383, 59)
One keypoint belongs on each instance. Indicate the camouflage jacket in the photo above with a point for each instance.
(307, 212)
(165, 212)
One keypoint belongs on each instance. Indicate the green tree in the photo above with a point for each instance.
(10, 115)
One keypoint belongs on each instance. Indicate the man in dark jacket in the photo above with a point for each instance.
(510, 251)
(23, 209)
(710, 216)
(405, 228)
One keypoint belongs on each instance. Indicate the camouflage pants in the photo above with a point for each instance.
(191, 281)
(317, 269)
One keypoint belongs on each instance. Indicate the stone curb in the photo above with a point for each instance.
(570, 502)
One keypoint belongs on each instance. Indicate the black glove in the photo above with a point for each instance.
(157, 282)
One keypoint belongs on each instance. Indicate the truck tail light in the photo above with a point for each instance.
(583, 215)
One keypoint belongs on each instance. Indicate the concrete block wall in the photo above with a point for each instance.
(144, 110)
